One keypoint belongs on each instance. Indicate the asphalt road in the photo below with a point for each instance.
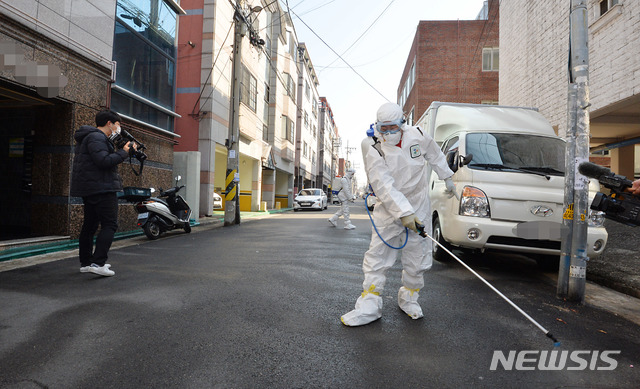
(258, 306)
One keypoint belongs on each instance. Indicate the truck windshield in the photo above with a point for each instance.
(520, 152)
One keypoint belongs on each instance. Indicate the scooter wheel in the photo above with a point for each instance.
(152, 230)
(187, 227)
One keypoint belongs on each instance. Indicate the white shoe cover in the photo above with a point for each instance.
(333, 222)
(368, 309)
(349, 226)
(408, 302)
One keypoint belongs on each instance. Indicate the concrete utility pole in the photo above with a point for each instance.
(348, 151)
(577, 211)
(232, 180)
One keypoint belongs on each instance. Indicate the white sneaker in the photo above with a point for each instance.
(100, 270)
(349, 227)
(333, 222)
(86, 269)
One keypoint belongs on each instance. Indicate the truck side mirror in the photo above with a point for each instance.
(451, 160)
(466, 159)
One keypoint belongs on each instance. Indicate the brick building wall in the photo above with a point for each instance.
(448, 60)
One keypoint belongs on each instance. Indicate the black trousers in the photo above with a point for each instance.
(99, 210)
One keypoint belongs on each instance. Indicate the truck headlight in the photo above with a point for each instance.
(596, 218)
(474, 203)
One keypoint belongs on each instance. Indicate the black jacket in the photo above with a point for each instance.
(95, 166)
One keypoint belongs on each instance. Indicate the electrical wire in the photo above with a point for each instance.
(481, 39)
(211, 71)
(363, 34)
(339, 56)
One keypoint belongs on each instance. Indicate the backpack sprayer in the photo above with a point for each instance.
(422, 232)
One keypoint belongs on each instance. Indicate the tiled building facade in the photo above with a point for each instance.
(534, 43)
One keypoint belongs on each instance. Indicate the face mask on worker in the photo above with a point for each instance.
(390, 131)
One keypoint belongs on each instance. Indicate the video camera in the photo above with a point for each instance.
(621, 205)
(121, 139)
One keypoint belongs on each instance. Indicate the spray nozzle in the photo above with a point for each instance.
(370, 131)
(421, 231)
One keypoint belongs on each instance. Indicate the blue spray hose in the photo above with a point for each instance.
(406, 230)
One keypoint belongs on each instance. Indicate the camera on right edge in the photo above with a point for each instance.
(620, 205)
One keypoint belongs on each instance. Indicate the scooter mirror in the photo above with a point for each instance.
(152, 190)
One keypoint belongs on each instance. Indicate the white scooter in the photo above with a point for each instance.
(166, 212)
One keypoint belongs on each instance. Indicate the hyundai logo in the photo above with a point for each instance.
(541, 210)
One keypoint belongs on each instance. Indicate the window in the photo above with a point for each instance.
(304, 150)
(315, 107)
(292, 47)
(267, 90)
(490, 56)
(306, 119)
(290, 86)
(313, 158)
(288, 128)
(606, 5)
(249, 89)
(265, 133)
(307, 90)
(145, 50)
(516, 151)
(265, 114)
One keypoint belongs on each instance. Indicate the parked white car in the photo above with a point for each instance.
(217, 201)
(508, 169)
(310, 199)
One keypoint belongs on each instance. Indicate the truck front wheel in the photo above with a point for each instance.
(438, 253)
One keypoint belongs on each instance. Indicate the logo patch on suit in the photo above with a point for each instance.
(415, 151)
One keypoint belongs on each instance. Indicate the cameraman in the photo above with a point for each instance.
(95, 178)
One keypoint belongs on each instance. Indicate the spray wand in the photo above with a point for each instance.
(422, 233)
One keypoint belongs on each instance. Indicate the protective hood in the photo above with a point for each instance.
(389, 112)
(349, 173)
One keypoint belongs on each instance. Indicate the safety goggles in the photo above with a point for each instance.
(389, 126)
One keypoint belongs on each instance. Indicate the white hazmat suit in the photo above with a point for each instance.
(345, 196)
(396, 169)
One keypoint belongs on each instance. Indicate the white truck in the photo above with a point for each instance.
(508, 166)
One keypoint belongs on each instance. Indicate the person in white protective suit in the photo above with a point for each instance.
(345, 196)
(394, 161)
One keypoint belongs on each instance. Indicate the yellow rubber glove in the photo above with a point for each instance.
(410, 221)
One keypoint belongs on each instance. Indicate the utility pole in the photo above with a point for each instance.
(348, 151)
(577, 211)
(232, 179)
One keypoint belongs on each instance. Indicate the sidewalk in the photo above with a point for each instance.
(618, 267)
(63, 247)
